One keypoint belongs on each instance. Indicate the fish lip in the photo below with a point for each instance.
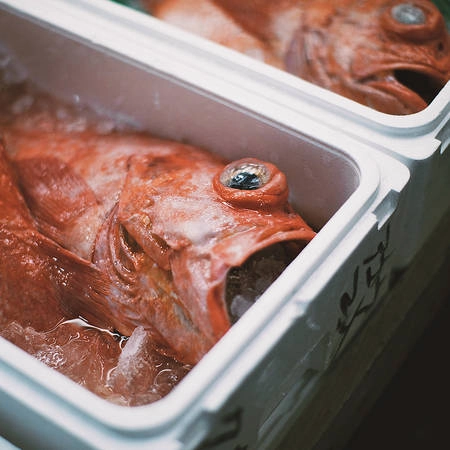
(430, 71)
(392, 79)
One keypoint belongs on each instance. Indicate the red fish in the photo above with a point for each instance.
(391, 55)
(128, 230)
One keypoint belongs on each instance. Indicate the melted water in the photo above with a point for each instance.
(128, 372)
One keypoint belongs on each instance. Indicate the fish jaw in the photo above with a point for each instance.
(220, 256)
(393, 87)
(405, 78)
(405, 65)
(405, 89)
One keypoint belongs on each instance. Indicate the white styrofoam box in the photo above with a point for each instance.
(234, 397)
(419, 140)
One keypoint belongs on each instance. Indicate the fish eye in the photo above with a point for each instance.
(414, 20)
(408, 14)
(245, 176)
(252, 184)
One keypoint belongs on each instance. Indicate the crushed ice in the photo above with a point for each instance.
(245, 284)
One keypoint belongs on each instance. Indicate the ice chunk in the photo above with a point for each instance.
(84, 354)
(239, 305)
(10, 71)
(142, 374)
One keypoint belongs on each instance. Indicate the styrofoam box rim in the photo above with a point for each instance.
(408, 136)
(412, 137)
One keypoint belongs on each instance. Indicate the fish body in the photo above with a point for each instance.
(391, 55)
(155, 225)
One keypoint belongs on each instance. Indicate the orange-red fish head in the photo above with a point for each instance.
(393, 56)
(197, 219)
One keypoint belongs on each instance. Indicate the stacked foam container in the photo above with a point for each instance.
(374, 185)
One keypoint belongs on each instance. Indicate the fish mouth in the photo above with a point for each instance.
(247, 282)
(414, 86)
(425, 84)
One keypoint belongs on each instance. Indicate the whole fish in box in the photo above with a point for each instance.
(391, 55)
(127, 230)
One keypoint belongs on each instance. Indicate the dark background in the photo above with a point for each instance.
(414, 411)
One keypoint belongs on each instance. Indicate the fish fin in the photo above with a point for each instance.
(82, 288)
(34, 266)
(13, 210)
(54, 192)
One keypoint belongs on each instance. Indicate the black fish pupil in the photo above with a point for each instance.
(245, 181)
